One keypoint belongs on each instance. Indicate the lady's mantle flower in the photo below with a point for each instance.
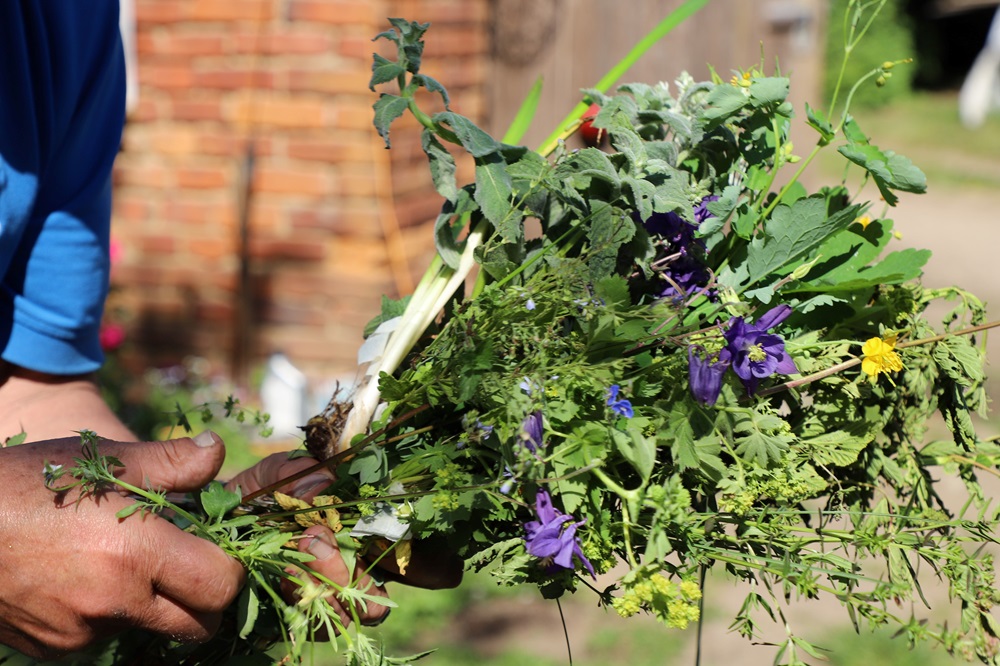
(880, 357)
(755, 353)
(705, 376)
(551, 539)
(620, 407)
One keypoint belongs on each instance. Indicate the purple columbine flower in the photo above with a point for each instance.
(620, 407)
(705, 376)
(755, 353)
(531, 431)
(684, 272)
(551, 539)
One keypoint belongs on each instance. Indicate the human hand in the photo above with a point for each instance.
(428, 568)
(71, 572)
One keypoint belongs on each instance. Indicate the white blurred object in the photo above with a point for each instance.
(284, 394)
(980, 92)
(126, 25)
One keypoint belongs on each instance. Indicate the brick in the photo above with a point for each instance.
(202, 178)
(196, 110)
(166, 76)
(227, 78)
(286, 112)
(336, 12)
(131, 208)
(355, 148)
(307, 182)
(355, 47)
(198, 212)
(211, 248)
(184, 44)
(339, 80)
(358, 222)
(157, 245)
(286, 42)
(159, 11)
(230, 10)
(143, 174)
(276, 249)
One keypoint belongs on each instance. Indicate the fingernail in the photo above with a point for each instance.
(313, 482)
(205, 439)
(319, 547)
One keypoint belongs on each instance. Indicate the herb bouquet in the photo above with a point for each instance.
(695, 363)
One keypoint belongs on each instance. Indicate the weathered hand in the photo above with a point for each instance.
(71, 572)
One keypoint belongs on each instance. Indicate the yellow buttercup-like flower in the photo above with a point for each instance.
(880, 356)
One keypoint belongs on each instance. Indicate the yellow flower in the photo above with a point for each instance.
(864, 221)
(880, 356)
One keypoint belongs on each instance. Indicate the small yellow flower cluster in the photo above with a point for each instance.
(674, 605)
(880, 357)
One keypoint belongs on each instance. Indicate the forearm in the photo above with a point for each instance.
(48, 407)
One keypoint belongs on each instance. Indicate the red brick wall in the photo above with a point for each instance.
(335, 221)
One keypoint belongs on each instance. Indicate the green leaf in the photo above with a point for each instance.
(643, 194)
(130, 509)
(217, 501)
(609, 230)
(248, 607)
(613, 290)
(494, 194)
(792, 232)
(889, 170)
(637, 449)
(442, 165)
(390, 308)
(431, 85)
(816, 119)
(724, 101)
(383, 71)
(579, 168)
(768, 91)
(370, 466)
(959, 359)
(387, 109)
(897, 268)
(449, 224)
(477, 142)
(837, 447)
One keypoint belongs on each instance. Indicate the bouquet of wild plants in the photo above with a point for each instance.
(687, 367)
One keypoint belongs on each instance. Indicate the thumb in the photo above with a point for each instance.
(182, 464)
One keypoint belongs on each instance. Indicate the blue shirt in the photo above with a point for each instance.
(62, 106)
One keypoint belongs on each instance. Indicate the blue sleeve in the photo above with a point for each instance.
(62, 100)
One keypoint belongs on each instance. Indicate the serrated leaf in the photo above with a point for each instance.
(442, 165)
(432, 85)
(837, 447)
(643, 193)
(637, 449)
(613, 290)
(391, 309)
(792, 232)
(609, 230)
(579, 168)
(897, 267)
(387, 109)
(383, 71)
(477, 142)
(959, 359)
(494, 194)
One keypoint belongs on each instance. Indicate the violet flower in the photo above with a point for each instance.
(705, 376)
(551, 539)
(620, 407)
(755, 353)
(531, 431)
(684, 272)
